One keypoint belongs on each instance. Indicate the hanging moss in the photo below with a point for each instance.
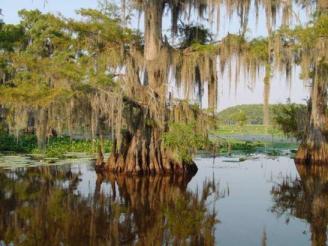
(94, 75)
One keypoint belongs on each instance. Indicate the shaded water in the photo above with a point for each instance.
(260, 201)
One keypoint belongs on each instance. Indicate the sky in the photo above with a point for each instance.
(281, 90)
(10, 8)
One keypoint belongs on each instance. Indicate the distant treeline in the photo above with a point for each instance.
(250, 114)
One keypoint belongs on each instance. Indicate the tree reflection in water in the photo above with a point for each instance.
(41, 206)
(305, 198)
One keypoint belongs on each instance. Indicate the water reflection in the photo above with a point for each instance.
(44, 206)
(305, 198)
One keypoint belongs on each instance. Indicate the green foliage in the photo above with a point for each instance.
(321, 26)
(305, 37)
(234, 41)
(254, 113)
(291, 118)
(48, 61)
(239, 145)
(258, 49)
(56, 147)
(11, 36)
(45, 32)
(230, 145)
(100, 30)
(59, 146)
(110, 9)
(194, 34)
(250, 130)
(239, 117)
(204, 48)
(304, 44)
(184, 140)
(53, 58)
(34, 95)
(23, 144)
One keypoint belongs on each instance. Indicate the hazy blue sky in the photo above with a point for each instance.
(227, 96)
(66, 7)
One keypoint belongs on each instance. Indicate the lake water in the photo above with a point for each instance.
(260, 201)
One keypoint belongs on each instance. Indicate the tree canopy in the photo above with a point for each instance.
(97, 74)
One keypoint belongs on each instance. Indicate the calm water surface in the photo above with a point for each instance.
(260, 201)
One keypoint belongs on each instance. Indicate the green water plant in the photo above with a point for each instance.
(23, 144)
(184, 140)
(59, 146)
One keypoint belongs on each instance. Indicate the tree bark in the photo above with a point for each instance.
(322, 5)
(153, 28)
(314, 147)
(142, 151)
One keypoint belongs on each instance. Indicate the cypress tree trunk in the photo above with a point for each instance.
(141, 150)
(153, 28)
(42, 128)
(314, 147)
